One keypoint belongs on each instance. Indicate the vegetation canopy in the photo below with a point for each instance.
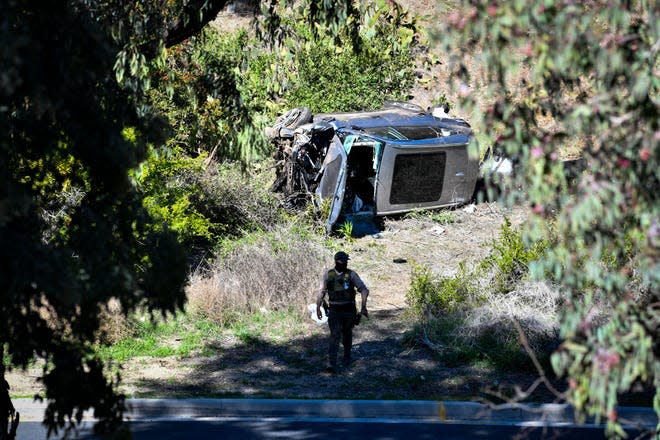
(579, 76)
(83, 97)
(113, 113)
(73, 121)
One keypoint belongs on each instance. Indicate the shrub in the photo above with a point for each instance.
(468, 318)
(364, 62)
(486, 333)
(329, 81)
(511, 257)
(167, 182)
(237, 199)
(534, 305)
(431, 296)
(202, 200)
(200, 91)
(114, 325)
(276, 270)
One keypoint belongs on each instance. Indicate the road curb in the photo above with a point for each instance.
(442, 411)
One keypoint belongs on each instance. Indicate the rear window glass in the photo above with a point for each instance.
(417, 178)
(413, 132)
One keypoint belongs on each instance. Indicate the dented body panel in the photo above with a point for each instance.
(375, 163)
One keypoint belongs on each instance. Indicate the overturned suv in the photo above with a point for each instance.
(355, 166)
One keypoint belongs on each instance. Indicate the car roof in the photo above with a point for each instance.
(368, 118)
(377, 124)
(388, 117)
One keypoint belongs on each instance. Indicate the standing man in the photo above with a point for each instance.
(340, 283)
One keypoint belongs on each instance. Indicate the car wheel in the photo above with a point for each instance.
(294, 118)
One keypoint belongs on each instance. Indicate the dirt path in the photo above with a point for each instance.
(384, 367)
(424, 242)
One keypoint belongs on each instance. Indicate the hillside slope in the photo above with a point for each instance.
(387, 366)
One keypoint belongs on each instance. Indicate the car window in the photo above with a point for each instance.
(413, 133)
(418, 177)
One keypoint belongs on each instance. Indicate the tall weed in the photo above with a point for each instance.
(430, 295)
(264, 271)
(469, 317)
(510, 257)
(486, 334)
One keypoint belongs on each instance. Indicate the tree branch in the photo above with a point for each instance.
(196, 14)
(542, 376)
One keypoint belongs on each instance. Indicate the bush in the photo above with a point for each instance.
(367, 61)
(486, 333)
(328, 81)
(237, 199)
(511, 257)
(114, 324)
(277, 270)
(203, 201)
(201, 91)
(431, 296)
(469, 317)
(167, 182)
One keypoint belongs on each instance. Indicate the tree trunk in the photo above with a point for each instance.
(196, 14)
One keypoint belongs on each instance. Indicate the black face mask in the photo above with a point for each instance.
(340, 266)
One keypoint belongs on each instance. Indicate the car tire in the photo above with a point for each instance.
(294, 118)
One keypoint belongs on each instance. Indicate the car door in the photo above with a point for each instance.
(333, 180)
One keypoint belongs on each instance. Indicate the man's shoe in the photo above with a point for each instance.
(331, 369)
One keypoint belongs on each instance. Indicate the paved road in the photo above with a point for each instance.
(298, 429)
(318, 420)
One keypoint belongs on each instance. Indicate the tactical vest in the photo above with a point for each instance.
(340, 288)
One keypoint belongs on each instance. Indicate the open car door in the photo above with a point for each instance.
(333, 180)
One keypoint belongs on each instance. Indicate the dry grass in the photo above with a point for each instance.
(237, 15)
(279, 270)
(239, 199)
(534, 305)
(114, 325)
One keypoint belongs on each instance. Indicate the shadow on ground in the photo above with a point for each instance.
(383, 368)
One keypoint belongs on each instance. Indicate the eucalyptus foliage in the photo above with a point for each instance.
(560, 78)
(342, 56)
(200, 88)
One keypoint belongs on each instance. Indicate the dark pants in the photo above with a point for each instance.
(341, 324)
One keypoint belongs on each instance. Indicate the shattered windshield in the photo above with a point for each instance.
(402, 133)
